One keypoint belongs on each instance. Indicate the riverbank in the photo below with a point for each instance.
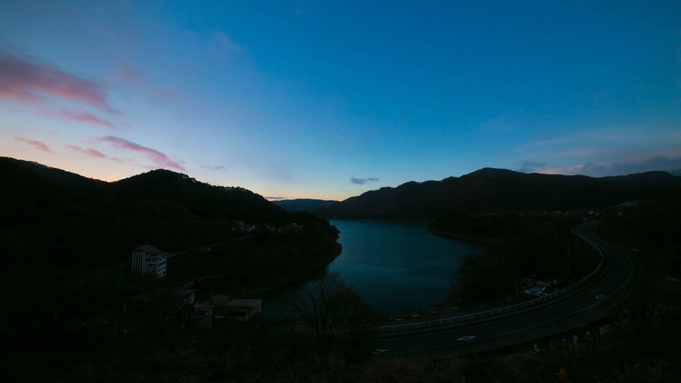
(295, 271)
(279, 268)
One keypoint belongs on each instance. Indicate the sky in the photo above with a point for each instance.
(329, 99)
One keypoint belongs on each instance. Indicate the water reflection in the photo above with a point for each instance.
(395, 267)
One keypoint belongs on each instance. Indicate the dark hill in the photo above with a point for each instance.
(488, 190)
(303, 204)
(48, 214)
(201, 198)
(31, 176)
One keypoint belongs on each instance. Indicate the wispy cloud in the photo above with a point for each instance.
(27, 80)
(226, 42)
(87, 151)
(275, 198)
(604, 169)
(222, 47)
(362, 181)
(77, 116)
(42, 87)
(154, 155)
(567, 170)
(220, 167)
(530, 166)
(130, 74)
(35, 144)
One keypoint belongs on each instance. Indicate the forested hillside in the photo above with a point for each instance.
(496, 190)
(51, 215)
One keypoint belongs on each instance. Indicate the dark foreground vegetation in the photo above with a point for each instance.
(518, 247)
(646, 351)
(71, 314)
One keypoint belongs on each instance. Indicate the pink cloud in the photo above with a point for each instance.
(36, 144)
(77, 116)
(97, 154)
(89, 152)
(24, 81)
(153, 154)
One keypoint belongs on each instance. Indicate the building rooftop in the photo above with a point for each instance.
(216, 300)
(149, 250)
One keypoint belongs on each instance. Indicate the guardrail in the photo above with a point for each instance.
(505, 309)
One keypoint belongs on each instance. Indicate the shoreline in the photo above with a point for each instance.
(323, 262)
(424, 223)
(442, 233)
(270, 280)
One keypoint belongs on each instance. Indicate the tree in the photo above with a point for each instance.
(357, 317)
(332, 311)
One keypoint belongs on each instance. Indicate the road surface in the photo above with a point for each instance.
(590, 304)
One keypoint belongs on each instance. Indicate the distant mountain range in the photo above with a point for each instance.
(303, 204)
(676, 172)
(488, 190)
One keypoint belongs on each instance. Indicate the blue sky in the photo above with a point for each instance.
(323, 99)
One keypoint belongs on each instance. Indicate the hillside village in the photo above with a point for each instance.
(217, 310)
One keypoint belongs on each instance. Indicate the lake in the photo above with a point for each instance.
(395, 267)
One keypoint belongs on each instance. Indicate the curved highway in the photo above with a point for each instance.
(590, 304)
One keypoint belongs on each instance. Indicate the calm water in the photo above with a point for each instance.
(395, 267)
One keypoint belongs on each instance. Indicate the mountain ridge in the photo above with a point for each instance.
(303, 204)
(52, 214)
(490, 189)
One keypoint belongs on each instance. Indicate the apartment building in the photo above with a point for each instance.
(147, 259)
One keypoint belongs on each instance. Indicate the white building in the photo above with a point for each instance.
(149, 260)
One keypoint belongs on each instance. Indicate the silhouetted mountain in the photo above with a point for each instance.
(303, 204)
(28, 174)
(201, 198)
(498, 190)
(676, 172)
(50, 214)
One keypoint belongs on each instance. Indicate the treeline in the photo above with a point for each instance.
(653, 231)
(520, 246)
(495, 190)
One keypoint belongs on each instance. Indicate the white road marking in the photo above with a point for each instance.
(467, 337)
